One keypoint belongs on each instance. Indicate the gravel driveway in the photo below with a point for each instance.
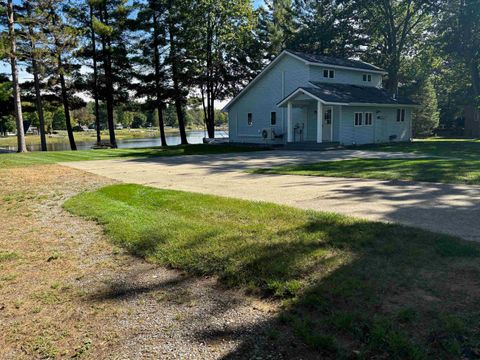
(451, 209)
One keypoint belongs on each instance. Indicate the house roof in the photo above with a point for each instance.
(350, 94)
(334, 61)
(310, 59)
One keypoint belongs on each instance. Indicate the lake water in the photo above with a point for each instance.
(194, 137)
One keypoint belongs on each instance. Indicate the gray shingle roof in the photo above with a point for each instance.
(344, 93)
(329, 60)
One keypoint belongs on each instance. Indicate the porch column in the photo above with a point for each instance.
(289, 122)
(319, 122)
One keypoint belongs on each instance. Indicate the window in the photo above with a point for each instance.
(367, 78)
(358, 119)
(400, 115)
(329, 73)
(368, 118)
(249, 119)
(273, 118)
(328, 116)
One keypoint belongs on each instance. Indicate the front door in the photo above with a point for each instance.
(327, 124)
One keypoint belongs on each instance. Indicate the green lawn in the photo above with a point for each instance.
(430, 170)
(348, 285)
(452, 161)
(451, 148)
(51, 157)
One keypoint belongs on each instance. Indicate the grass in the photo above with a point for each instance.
(429, 170)
(449, 148)
(453, 161)
(379, 290)
(38, 158)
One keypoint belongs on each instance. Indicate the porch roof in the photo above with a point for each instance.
(345, 94)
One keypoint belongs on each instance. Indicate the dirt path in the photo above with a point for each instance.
(452, 209)
(65, 292)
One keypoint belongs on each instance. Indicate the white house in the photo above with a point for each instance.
(306, 98)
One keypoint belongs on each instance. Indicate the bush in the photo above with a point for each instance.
(426, 118)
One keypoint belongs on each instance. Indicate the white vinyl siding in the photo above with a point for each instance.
(261, 100)
(344, 76)
(384, 129)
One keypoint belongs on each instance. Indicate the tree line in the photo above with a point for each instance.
(164, 53)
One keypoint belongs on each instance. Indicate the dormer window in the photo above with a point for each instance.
(328, 74)
(367, 78)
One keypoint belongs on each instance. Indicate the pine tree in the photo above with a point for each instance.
(12, 53)
(63, 38)
(177, 18)
(277, 26)
(150, 62)
(112, 27)
(91, 17)
(326, 27)
(426, 117)
(34, 23)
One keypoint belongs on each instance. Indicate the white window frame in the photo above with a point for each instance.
(365, 118)
(273, 116)
(367, 78)
(330, 74)
(360, 123)
(401, 115)
(249, 119)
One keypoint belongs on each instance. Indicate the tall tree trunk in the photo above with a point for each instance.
(176, 85)
(475, 75)
(211, 133)
(210, 120)
(39, 104)
(21, 146)
(61, 75)
(393, 70)
(95, 78)
(107, 63)
(36, 81)
(66, 107)
(158, 87)
(204, 106)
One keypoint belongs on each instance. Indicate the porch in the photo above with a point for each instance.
(310, 120)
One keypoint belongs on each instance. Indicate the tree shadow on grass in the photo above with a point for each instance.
(351, 288)
(392, 298)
